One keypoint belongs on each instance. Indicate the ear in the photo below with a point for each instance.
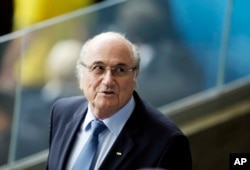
(135, 76)
(80, 83)
(80, 86)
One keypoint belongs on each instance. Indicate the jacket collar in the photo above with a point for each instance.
(126, 140)
(123, 144)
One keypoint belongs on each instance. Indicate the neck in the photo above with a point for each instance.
(102, 113)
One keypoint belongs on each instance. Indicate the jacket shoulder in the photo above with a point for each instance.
(156, 119)
(63, 109)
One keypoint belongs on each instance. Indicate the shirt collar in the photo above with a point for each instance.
(116, 122)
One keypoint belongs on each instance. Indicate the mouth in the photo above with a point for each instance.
(108, 93)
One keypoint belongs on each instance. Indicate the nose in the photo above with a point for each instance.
(108, 78)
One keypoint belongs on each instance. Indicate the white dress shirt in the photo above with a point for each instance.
(114, 124)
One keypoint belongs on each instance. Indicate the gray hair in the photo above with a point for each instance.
(84, 50)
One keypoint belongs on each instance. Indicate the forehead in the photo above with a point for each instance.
(109, 50)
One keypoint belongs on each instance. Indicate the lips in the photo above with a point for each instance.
(108, 92)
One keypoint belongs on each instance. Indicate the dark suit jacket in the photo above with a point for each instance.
(148, 139)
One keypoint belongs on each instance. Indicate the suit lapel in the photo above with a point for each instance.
(125, 143)
(70, 134)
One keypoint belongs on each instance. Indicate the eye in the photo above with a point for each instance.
(120, 69)
(97, 68)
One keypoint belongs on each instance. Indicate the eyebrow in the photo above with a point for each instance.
(100, 62)
(121, 64)
(97, 62)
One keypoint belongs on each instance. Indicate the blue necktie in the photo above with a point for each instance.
(86, 156)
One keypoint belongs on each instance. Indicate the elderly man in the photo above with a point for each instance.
(112, 127)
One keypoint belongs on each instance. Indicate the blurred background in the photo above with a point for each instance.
(195, 68)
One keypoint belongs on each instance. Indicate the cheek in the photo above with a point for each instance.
(88, 84)
(127, 88)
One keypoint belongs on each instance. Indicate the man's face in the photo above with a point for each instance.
(108, 92)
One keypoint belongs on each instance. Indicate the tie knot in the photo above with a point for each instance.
(97, 127)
